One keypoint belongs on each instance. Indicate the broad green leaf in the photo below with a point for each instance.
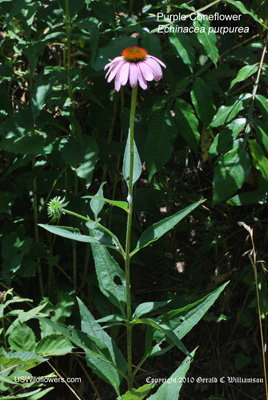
(231, 172)
(81, 154)
(23, 316)
(181, 321)
(149, 307)
(33, 51)
(243, 74)
(10, 358)
(263, 105)
(120, 204)
(261, 129)
(152, 44)
(208, 39)
(22, 338)
(54, 344)
(244, 10)
(163, 328)
(95, 204)
(159, 143)
(202, 99)
(126, 163)
(112, 281)
(13, 260)
(253, 197)
(16, 9)
(24, 145)
(112, 50)
(183, 46)
(101, 368)
(89, 343)
(225, 138)
(91, 25)
(170, 389)
(137, 394)
(259, 159)
(187, 123)
(43, 86)
(6, 200)
(69, 233)
(226, 113)
(160, 228)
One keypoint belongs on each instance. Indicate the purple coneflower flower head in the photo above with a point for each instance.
(135, 65)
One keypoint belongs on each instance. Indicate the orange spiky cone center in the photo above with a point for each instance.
(134, 54)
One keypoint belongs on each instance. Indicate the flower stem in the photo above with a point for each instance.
(128, 234)
(74, 214)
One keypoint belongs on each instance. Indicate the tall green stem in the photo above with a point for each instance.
(68, 37)
(128, 234)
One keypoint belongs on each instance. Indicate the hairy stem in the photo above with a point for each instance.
(128, 234)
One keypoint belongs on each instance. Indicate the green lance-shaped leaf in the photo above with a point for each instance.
(231, 171)
(207, 38)
(95, 204)
(187, 123)
(160, 228)
(260, 161)
(170, 389)
(116, 203)
(148, 307)
(137, 394)
(181, 321)
(226, 113)
(244, 73)
(261, 129)
(159, 142)
(263, 105)
(104, 370)
(112, 281)
(202, 99)
(22, 338)
(164, 329)
(29, 395)
(244, 10)
(126, 163)
(183, 46)
(69, 233)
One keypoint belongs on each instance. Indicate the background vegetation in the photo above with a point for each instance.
(202, 132)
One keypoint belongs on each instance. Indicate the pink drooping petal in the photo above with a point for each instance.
(112, 67)
(155, 67)
(124, 73)
(120, 58)
(133, 74)
(117, 82)
(114, 71)
(156, 59)
(141, 79)
(146, 71)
